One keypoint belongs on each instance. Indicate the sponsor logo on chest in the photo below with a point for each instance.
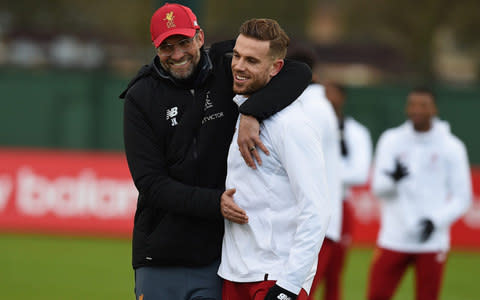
(209, 105)
(208, 102)
(172, 115)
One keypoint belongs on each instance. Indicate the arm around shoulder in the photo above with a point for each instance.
(281, 91)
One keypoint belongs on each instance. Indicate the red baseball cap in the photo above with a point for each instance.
(171, 19)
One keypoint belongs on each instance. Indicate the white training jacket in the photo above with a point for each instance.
(356, 165)
(438, 186)
(286, 200)
(321, 111)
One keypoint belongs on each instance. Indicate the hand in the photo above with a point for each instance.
(427, 229)
(249, 140)
(278, 293)
(399, 172)
(230, 210)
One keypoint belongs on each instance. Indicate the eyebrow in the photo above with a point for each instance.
(247, 56)
(180, 40)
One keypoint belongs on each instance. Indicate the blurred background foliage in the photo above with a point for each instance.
(429, 35)
(419, 29)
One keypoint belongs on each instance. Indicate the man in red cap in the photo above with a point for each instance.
(179, 119)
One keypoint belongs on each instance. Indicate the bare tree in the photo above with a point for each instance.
(410, 25)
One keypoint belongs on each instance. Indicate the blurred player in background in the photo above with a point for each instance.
(270, 251)
(179, 120)
(356, 152)
(327, 121)
(421, 173)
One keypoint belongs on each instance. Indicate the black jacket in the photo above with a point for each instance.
(177, 136)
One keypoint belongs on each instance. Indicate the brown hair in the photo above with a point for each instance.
(267, 30)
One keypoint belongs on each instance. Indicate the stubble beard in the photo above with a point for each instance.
(250, 88)
(183, 74)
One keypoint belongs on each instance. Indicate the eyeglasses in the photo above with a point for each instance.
(166, 49)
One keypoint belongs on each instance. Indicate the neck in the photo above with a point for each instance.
(422, 127)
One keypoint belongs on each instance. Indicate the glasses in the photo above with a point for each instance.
(166, 49)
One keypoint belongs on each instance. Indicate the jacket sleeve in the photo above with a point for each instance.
(147, 163)
(383, 185)
(356, 165)
(300, 153)
(281, 91)
(459, 185)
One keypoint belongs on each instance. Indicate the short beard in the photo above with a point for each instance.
(249, 90)
(184, 75)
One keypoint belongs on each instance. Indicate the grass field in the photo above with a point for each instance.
(44, 267)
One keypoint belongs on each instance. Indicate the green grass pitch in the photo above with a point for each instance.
(46, 267)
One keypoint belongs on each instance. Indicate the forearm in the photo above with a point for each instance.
(383, 186)
(304, 249)
(170, 195)
(303, 161)
(450, 212)
(459, 185)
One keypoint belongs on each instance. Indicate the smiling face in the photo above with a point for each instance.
(252, 65)
(181, 63)
(420, 110)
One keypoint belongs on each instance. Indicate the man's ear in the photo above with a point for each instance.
(200, 38)
(277, 66)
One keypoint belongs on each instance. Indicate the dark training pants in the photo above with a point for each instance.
(178, 283)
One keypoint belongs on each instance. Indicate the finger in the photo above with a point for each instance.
(235, 209)
(244, 147)
(225, 200)
(256, 156)
(241, 214)
(247, 156)
(259, 144)
(238, 214)
(237, 219)
(235, 214)
(230, 192)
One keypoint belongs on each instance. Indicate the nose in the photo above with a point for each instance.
(238, 65)
(177, 53)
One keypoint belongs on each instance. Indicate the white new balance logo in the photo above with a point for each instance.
(282, 296)
(172, 112)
